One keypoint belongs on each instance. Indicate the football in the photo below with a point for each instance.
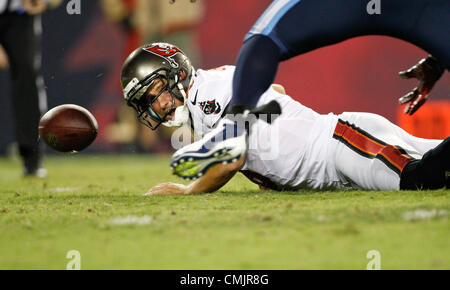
(68, 128)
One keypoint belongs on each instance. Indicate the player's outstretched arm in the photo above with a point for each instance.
(214, 178)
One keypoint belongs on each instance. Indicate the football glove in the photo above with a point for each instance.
(427, 72)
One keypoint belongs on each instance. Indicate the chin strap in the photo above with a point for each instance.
(182, 92)
(180, 117)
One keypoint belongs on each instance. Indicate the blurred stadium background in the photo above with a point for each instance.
(82, 57)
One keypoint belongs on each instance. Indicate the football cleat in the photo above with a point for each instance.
(39, 173)
(225, 144)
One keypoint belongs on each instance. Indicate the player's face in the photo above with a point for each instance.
(165, 104)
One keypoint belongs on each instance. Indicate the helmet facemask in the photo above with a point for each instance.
(138, 98)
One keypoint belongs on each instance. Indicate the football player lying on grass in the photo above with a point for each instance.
(297, 149)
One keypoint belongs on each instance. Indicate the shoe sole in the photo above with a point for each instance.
(192, 165)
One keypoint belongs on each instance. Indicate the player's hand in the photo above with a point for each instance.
(427, 72)
(34, 7)
(173, 1)
(167, 188)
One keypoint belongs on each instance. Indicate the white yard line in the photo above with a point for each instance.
(422, 214)
(130, 220)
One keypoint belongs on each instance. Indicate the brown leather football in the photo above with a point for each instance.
(68, 128)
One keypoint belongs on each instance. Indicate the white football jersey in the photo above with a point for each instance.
(291, 153)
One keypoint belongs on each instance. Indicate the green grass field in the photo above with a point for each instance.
(239, 227)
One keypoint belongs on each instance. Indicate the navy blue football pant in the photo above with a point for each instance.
(291, 27)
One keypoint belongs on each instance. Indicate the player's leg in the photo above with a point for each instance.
(432, 171)
(383, 129)
(423, 23)
(288, 28)
(28, 95)
(364, 157)
(321, 23)
(433, 31)
(256, 69)
(387, 154)
(363, 170)
(291, 27)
